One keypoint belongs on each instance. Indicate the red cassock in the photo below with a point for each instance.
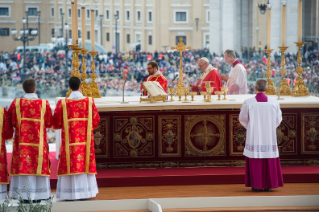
(30, 155)
(211, 76)
(6, 132)
(77, 119)
(159, 78)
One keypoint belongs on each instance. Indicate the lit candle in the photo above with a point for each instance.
(300, 21)
(76, 19)
(73, 24)
(83, 26)
(283, 24)
(268, 25)
(92, 30)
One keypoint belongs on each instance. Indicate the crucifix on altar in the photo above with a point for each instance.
(180, 48)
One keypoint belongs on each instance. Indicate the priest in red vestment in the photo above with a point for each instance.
(30, 164)
(155, 75)
(77, 116)
(209, 74)
(6, 132)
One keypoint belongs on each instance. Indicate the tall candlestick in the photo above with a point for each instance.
(300, 21)
(76, 19)
(268, 25)
(83, 27)
(92, 30)
(283, 24)
(73, 24)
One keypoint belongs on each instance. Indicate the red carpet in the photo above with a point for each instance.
(185, 176)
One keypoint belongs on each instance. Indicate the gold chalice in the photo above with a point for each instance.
(171, 91)
(180, 92)
(219, 93)
(186, 90)
(204, 94)
(209, 94)
(225, 89)
(192, 94)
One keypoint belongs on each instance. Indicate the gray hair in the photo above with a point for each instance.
(261, 84)
(230, 53)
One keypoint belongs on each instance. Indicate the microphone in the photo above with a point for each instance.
(172, 80)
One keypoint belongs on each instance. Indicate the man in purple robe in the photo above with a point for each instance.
(261, 116)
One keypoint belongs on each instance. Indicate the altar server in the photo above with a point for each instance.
(6, 132)
(155, 75)
(261, 115)
(30, 163)
(77, 116)
(237, 79)
(209, 74)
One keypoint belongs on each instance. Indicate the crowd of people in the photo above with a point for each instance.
(49, 68)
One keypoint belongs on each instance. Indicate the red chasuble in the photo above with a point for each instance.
(77, 119)
(6, 132)
(30, 118)
(211, 76)
(159, 78)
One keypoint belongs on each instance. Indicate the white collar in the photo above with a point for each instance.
(157, 73)
(76, 95)
(30, 96)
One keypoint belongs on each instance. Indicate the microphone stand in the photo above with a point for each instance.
(172, 80)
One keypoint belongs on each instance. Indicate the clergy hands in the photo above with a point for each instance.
(224, 77)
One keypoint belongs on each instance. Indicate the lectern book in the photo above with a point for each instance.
(154, 88)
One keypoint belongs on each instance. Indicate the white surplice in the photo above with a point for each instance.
(79, 186)
(261, 120)
(237, 82)
(3, 191)
(37, 186)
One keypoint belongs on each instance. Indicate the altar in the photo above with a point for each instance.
(194, 134)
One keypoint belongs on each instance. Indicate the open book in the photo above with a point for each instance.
(154, 88)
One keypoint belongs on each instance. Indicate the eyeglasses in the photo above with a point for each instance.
(200, 66)
(149, 68)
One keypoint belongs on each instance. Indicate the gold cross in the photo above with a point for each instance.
(206, 135)
(180, 48)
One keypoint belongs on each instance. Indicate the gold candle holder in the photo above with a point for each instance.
(186, 90)
(284, 89)
(209, 94)
(271, 90)
(300, 88)
(75, 64)
(86, 91)
(94, 88)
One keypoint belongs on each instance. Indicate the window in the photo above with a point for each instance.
(88, 35)
(138, 16)
(4, 11)
(107, 36)
(79, 33)
(118, 14)
(60, 33)
(70, 33)
(127, 15)
(207, 16)
(180, 16)
(69, 13)
(149, 16)
(79, 13)
(60, 12)
(52, 33)
(107, 15)
(52, 12)
(128, 38)
(32, 11)
(88, 14)
(184, 39)
(150, 39)
(96, 13)
(4, 32)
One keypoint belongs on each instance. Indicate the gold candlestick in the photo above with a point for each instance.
(86, 91)
(75, 64)
(284, 88)
(271, 90)
(93, 86)
(300, 88)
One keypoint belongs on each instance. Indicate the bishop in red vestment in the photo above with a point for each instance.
(77, 116)
(209, 74)
(6, 132)
(155, 75)
(30, 163)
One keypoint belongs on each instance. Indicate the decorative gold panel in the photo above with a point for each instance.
(134, 137)
(102, 138)
(310, 133)
(205, 135)
(169, 133)
(237, 136)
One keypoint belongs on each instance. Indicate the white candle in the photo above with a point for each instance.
(268, 27)
(283, 27)
(73, 24)
(76, 19)
(92, 30)
(83, 27)
(300, 21)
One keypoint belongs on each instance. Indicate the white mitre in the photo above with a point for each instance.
(205, 59)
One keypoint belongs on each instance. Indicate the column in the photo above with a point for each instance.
(292, 26)
(215, 26)
(275, 24)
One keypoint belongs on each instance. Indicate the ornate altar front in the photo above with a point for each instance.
(173, 134)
